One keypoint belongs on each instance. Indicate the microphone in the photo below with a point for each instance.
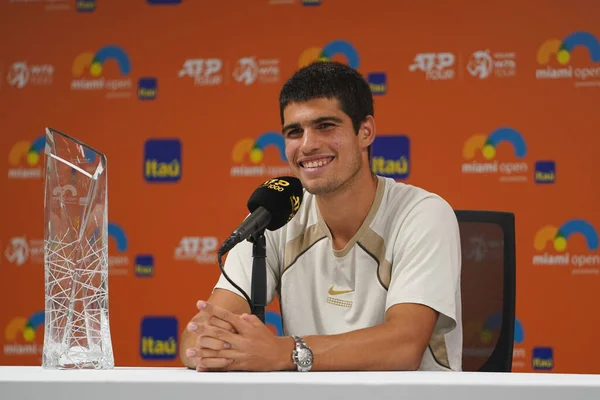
(272, 205)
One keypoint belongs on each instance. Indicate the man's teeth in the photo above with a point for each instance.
(315, 164)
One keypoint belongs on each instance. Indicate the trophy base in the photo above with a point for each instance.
(78, 358)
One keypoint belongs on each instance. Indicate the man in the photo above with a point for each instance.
(367, 272)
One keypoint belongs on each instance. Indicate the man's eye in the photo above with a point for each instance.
(293, 132)
(325, 125)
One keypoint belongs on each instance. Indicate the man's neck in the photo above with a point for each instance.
(345, 211)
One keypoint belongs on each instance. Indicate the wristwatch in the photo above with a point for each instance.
(302, 355)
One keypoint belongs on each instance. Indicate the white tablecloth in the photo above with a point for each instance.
(23, 383)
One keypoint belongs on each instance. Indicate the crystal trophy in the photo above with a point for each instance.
(77, 329)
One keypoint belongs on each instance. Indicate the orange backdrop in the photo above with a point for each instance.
(491, 106)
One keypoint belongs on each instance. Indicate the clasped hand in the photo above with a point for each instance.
(229, 342)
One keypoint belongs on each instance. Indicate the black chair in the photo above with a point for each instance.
(488, 289)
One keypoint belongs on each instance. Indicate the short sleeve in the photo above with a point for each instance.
(427, 261)
(238, 266)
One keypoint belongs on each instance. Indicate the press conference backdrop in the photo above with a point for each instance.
(493, 105)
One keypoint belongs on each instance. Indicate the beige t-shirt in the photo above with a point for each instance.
(406, 251)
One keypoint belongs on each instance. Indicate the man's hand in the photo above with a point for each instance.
(190, 336)
(198, 327)
(227, 342)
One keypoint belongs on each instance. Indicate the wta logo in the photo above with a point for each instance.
(24, 159)
(487, 148)
(91, 68)
(561, 52)
(586, 260)
(21, 329)
(254, 152)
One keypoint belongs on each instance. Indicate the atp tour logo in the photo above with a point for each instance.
(251, 156)
(486, 147)
(435, 66)
(201, 249)
(557, 56)
(583, 260)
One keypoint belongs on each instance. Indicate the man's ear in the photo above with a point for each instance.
(366, 133)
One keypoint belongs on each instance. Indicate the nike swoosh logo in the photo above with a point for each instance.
(337, 292)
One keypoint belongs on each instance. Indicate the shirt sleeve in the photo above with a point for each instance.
(427, 261)
(238, 266)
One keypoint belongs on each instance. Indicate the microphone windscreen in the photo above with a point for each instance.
(280, 196)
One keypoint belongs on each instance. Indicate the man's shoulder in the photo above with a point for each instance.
(401, 200)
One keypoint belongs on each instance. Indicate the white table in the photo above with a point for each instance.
(23, 383)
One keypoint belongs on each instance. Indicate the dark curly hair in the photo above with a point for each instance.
(332, 80)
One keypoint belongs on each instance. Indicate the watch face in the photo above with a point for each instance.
(304, 357)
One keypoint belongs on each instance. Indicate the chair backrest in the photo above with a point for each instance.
(488, 289)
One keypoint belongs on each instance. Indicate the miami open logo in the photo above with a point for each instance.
(24, 159)
(263, 156)
(118, 263)
(90, 69)
(491, 155)
(339, 50)
(574, 244)
(20, 335)
(558, 56)
(344, 52)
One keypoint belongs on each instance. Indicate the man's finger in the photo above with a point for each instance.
(252, 319)
(205, 353)
(199, 327)
(211, 343)
(218, 362)
(224, 315)
(221, 334)
(208, 353)
(219, 323)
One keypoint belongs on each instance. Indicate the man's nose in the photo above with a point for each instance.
(311, 141)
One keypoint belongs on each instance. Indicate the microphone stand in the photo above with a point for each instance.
(259, 274)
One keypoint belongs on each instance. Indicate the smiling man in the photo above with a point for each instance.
(367, 272)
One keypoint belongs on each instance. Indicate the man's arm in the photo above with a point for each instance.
(398, 344)
(221, 298)
(392, 345)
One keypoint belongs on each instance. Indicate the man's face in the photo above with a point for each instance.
(320, 143)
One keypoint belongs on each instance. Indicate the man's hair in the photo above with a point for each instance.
(332, 80)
